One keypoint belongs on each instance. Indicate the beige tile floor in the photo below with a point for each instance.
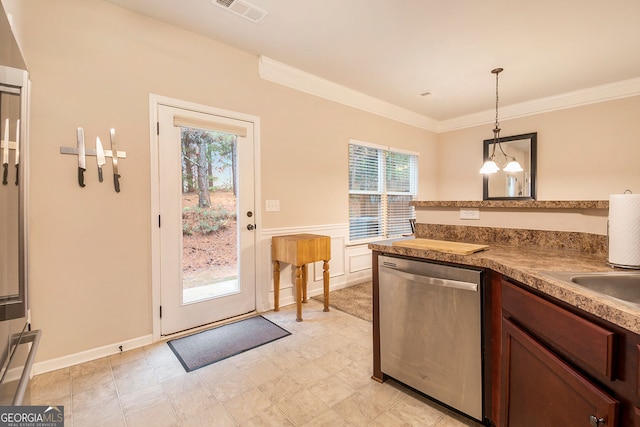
(317, 376)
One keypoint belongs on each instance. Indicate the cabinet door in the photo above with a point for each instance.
(539, 389)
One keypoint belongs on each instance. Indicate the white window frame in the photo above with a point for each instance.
(382, 184)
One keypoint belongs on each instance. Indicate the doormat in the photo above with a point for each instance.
(207, 347)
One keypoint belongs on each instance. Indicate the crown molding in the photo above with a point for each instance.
(294, 78)
(592, 95)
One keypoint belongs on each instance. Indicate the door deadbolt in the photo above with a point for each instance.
(249, 214)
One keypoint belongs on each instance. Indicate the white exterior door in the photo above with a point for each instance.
(206, 221)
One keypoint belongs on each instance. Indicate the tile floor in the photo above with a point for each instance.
(317, 376)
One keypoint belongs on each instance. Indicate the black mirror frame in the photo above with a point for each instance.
(533, 137)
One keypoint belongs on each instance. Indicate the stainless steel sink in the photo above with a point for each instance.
(624, 286)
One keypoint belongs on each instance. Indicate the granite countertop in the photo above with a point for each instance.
(513, 204)
(529, 264)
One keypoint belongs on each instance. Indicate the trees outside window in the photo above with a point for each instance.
(208, 163)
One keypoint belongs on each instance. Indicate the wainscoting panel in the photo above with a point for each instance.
(359, 258)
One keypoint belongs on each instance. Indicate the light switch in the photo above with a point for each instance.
(272, 205)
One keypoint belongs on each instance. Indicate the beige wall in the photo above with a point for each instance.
(584, 153)
(94, 65)
(305, 156)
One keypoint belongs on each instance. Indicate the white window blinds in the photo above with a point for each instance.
(382, 181)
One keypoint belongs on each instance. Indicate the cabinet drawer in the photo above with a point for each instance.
(568, 334)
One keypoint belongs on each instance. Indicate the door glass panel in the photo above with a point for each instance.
(209, 215)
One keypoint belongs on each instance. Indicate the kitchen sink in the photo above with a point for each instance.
(623, 286)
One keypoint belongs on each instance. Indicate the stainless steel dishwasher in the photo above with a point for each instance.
(431, 330)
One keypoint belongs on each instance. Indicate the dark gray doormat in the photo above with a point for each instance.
(207, 347)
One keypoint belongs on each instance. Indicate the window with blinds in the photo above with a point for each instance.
(382, 181)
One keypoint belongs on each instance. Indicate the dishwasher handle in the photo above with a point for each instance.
(433, 281)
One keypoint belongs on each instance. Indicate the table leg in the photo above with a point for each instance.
(305, 279)
(276, 285)
(325, 280)
(298, 290)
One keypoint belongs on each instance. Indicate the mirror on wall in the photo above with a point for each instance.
(12, 193)
(504, 185)
(14, 85)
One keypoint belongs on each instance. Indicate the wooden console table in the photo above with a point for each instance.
(300, 250)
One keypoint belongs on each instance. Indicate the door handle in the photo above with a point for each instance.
(433, 281)
(251, 227)
(595, 421)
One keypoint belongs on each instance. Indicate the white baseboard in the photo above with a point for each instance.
(88, 355)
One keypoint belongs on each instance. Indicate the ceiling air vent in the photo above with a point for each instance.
(242, 8)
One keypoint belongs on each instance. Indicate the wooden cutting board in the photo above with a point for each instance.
(458, 248)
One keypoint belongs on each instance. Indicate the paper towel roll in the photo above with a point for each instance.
(624, 230)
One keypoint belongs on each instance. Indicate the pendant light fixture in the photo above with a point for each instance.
(490, 166)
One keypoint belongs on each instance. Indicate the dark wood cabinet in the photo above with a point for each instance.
(539, 389)
(560, 366)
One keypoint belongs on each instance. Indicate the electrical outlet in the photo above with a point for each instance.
(469, 213)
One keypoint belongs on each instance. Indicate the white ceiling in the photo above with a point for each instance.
(396, 50)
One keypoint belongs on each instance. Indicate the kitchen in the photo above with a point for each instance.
(94, 64)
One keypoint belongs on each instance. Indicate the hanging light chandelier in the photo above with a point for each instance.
(490, 166)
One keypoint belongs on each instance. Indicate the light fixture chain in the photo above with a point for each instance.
(497, 124)
(496, 130)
